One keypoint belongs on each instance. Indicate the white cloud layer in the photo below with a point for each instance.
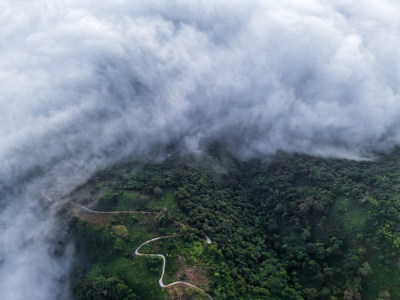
(87, 83)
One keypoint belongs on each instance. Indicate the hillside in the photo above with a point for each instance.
(287, 227)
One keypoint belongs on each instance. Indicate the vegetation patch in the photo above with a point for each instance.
(120, 230)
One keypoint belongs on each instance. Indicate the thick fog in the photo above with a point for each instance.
(87, 83)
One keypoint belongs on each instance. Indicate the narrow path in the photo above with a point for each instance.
(161, 283)
(44, 195)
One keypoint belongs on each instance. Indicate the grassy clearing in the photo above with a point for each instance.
(127, 200)
(167, 201)
(352, 215)
(346, 217)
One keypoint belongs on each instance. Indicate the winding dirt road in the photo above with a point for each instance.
(161, 283)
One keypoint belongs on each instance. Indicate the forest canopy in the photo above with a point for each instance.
(289, 227)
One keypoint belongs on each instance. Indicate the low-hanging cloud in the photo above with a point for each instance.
(85, 84)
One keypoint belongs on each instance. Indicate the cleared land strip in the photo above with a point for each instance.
(44, 195)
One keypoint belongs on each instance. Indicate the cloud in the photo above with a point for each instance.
(85, 84)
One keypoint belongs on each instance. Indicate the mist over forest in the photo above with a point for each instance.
(88, 84)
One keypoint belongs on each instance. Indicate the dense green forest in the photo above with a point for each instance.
(286, 227)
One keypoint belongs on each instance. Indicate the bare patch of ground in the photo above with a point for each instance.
(196, 275)
(182, 292)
